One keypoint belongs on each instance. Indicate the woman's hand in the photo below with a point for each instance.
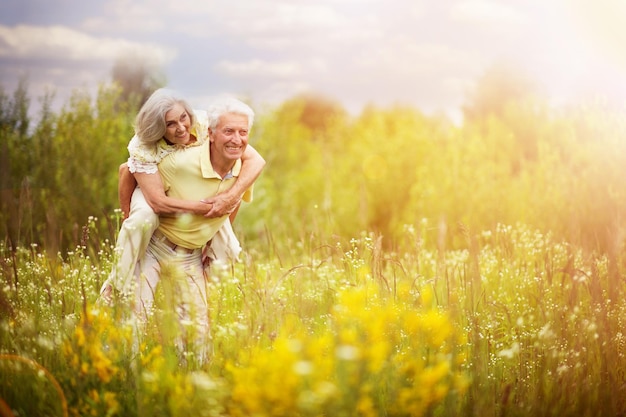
(107, 294)
(222, 204)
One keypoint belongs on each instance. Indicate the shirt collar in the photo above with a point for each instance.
(207, 168)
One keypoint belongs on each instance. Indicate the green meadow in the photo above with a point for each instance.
(395, 264)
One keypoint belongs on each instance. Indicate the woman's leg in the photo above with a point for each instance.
(147, 275)
(131, 244)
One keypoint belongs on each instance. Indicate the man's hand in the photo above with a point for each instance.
(222, 204)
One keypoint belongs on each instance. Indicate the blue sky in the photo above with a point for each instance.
(427, 54)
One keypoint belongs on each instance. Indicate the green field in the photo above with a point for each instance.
(395, 264)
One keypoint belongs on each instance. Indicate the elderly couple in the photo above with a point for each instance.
(182, 217)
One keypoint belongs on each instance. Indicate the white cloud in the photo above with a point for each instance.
(258, 68)
(269, 17)
(130, 16)
(405, 59)
(488, 12)
(287, 17)
(60, 59)
(236, 19)
(358, 51)
(62, 44)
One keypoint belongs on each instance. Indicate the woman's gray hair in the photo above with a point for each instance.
(228, 105)
(150, 121)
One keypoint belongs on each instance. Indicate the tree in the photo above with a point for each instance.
(318, 113)
(499, 87)
(15, 158)
(504, 107)
(137, 77)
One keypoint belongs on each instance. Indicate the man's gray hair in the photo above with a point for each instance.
(229, 105)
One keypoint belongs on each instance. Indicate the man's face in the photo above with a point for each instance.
(230, 137)
(177, 125)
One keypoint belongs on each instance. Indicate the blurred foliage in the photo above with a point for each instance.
(558, 169)
(513, 159)
(62, 171)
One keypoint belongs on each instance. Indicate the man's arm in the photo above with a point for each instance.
(228, 201)
(153, 190)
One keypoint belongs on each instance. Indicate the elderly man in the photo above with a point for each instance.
(178, 242)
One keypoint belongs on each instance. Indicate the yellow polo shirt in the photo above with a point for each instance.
(187, 174)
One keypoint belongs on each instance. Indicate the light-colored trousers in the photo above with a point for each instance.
(131, 244)
(180, 276)
(141, 260)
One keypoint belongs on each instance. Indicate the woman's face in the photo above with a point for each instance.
(177, 125)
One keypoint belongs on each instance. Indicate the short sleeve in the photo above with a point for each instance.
(248, 194)
(201, 127)
(144, 158)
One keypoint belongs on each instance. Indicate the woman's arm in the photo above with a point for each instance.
(152, 187)
(216, 206)
(228, 201)
(233, 214)
(125, 187)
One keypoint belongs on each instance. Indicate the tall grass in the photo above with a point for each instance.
(516, 324)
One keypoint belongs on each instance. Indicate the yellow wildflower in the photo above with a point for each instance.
(80, 336)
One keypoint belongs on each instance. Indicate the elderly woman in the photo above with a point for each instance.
(142, 195)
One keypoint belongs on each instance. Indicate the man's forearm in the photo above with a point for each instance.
(168, 206)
